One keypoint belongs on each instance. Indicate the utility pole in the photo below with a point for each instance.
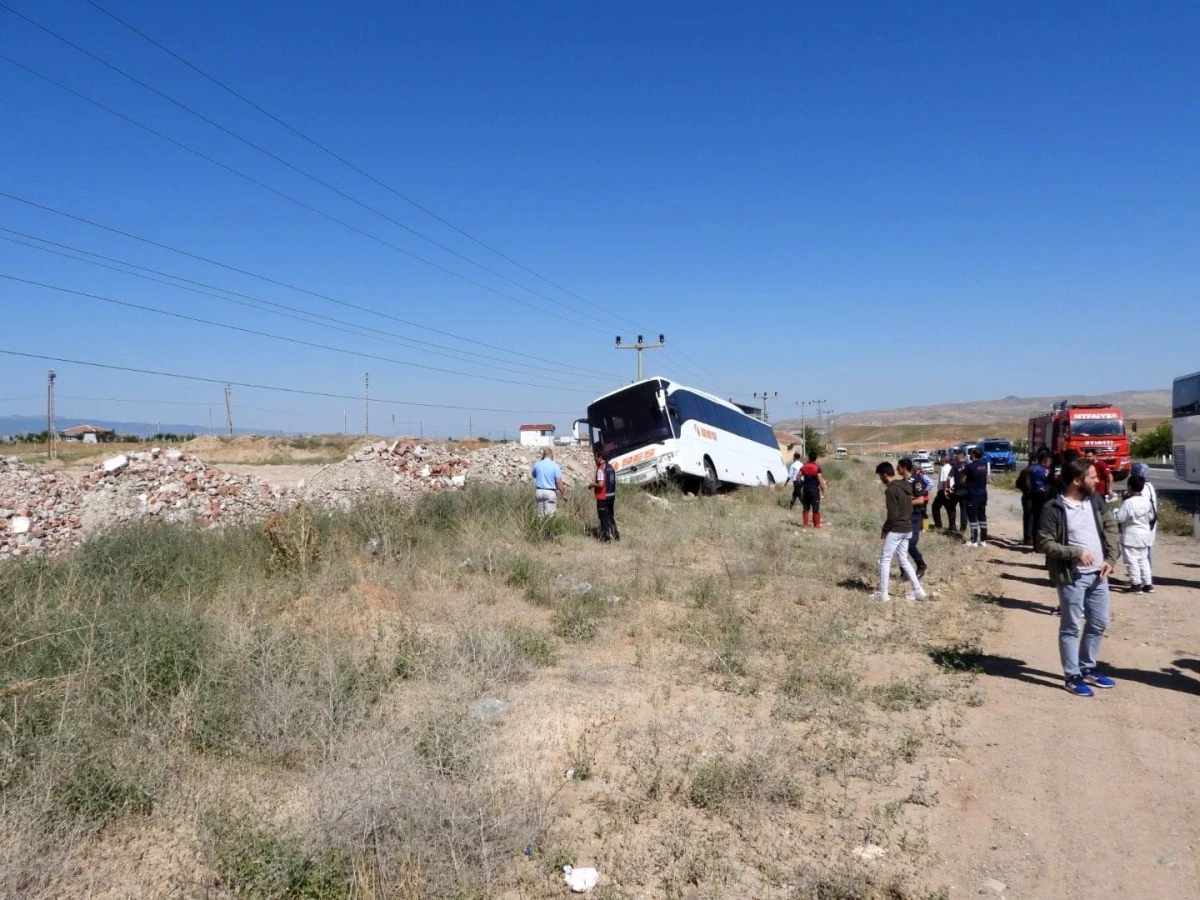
(804, 404)
(344, 431)
(210, 420)
(229, 408)
(765, 397)
(51, 424)
(367, 405)
(470, 425)
(393, 423)
(639, 347)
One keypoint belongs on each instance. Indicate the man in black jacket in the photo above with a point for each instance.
(1080, 540)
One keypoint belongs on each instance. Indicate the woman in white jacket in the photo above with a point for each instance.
(1136, 518)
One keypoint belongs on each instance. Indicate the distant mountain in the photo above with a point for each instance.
(1135, 404)
(10, 425)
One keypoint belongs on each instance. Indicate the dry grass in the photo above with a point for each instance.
(299, 717)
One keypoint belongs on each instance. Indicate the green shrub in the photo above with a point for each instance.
(258, 865)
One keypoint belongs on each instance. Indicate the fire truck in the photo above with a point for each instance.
(1082, 428)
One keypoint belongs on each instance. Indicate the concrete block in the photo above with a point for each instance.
(116, 464)
(20, 524)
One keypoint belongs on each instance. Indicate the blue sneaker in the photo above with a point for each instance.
(1095, 679)
(1075, 684)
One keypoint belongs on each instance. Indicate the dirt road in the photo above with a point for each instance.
(1060, 797)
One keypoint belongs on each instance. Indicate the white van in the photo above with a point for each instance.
(841, 453)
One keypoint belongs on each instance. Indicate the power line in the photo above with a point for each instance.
(286, 196)
(284, 162)
(691, 363)
(291, 287)
(348, 163)
(143, 402)
(278, 337)
(267, 387)
(261, 304)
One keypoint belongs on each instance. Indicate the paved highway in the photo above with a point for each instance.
(1172, 488)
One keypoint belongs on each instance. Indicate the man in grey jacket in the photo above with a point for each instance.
(1080, 540)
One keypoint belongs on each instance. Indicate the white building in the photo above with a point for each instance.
(537, 435)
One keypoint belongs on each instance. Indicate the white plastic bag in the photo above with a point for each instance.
(580, 880)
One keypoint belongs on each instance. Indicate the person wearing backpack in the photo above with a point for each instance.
(604, 486)
(1138, 517)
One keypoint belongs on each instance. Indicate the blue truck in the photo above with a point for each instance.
(999, 454)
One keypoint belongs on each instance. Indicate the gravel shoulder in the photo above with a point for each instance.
(1057, 796)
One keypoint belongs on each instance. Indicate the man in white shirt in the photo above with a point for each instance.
(941, 482)
(795, 479)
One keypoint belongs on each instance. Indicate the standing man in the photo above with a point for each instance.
(812, 484)
(958, 491)
(794, 478)
(1039, 490)
(604, 485)
(941, 501)
(1023, 485)
(896, 531)
(1103, 475)
(1079, 538)
(977, 484)
(548, 484)
(919, 484)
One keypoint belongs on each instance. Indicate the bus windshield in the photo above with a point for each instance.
(996, 447)
(629, 420)
(1185, 399)
(1097, 427)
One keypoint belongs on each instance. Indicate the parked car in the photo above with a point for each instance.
(999, 454)
(923, 460)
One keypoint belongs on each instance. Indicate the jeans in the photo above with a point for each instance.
(976, 515)
(1086, 599)
(547, 502)
(1137, 564)
(940, 502)
(895, 543)
(917, 521)
(606, 510)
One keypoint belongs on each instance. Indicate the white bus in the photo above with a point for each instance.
(1185, 427)
(659, 429)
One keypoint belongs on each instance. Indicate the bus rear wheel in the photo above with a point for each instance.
(711, 484)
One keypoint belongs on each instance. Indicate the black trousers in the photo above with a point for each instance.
(1027, 518)
(940, 502)
(1037, 502)
(810, 500)
(797, 491)
(956, 502)
(606, 510)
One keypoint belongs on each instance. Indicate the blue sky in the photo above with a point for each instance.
(873, 204)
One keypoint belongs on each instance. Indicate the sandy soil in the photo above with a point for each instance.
(276, 476)
(1060, 796)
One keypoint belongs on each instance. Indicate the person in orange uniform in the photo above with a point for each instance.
(604, 485)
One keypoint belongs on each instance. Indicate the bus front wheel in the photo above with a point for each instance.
(711, 484)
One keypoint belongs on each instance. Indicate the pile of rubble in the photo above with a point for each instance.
(511, 463)
(175, 487)
(404, 468)
(46, 511)
(400, 467)
(39, 511)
